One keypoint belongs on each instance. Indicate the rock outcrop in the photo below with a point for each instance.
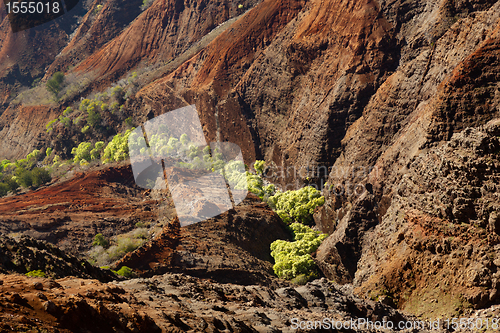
(178, 303)
(27, 254)
(230, 248)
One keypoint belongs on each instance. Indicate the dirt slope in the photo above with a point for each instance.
(70, 213)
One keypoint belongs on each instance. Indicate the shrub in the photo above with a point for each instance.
(3, 164)
(146, 4)
(114, 107)
(117, 149)
(54, 85)
(93, 117)
(122, 245)
(297, 205)
(48, 152)
(95, 153)
(40, 176)
(4, 189)
(129, 122)
(125, 272)
(259, 167)
(50, 125)
(67, 111)
(66, 121)
(99, 240)
(294, 258)
(85, 129)
(36, 273)
(82, 152)
(23, 177)
(12, 183)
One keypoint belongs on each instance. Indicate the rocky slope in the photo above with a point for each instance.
(72, 211)
(232, 247)
(176, 303)
(398, 99)
(26, 254)
(413, 205)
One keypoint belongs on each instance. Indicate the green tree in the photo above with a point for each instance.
(95, 153)
(93, 117)
(4, 189)
(23, 177)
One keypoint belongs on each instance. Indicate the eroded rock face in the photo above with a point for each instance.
(434, 246)
(422, 178)
(231, 247)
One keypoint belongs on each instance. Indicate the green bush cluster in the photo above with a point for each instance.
(35, 177)
(22, 173)
(86, 152)
(291, 206)
(93, 108)
(297, 205)
(117, 149)
(125, 271)
(100, 240)
(36, 273)
(7, 185)
(294, 258)
(259, 167)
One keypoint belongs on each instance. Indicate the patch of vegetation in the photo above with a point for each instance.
(54, 84)
(146, 4)
(117, 246)
(297, 205)
(23, 173)
(36, 273)
(117, 149)
(125, 271)
(293, 259)
(100, 240)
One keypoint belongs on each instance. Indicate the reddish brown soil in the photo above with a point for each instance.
(105, 201)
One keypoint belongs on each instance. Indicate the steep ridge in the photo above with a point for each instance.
(402, 125)
(25, 55)
(163, 31)
(99, 26)
(284, 84)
